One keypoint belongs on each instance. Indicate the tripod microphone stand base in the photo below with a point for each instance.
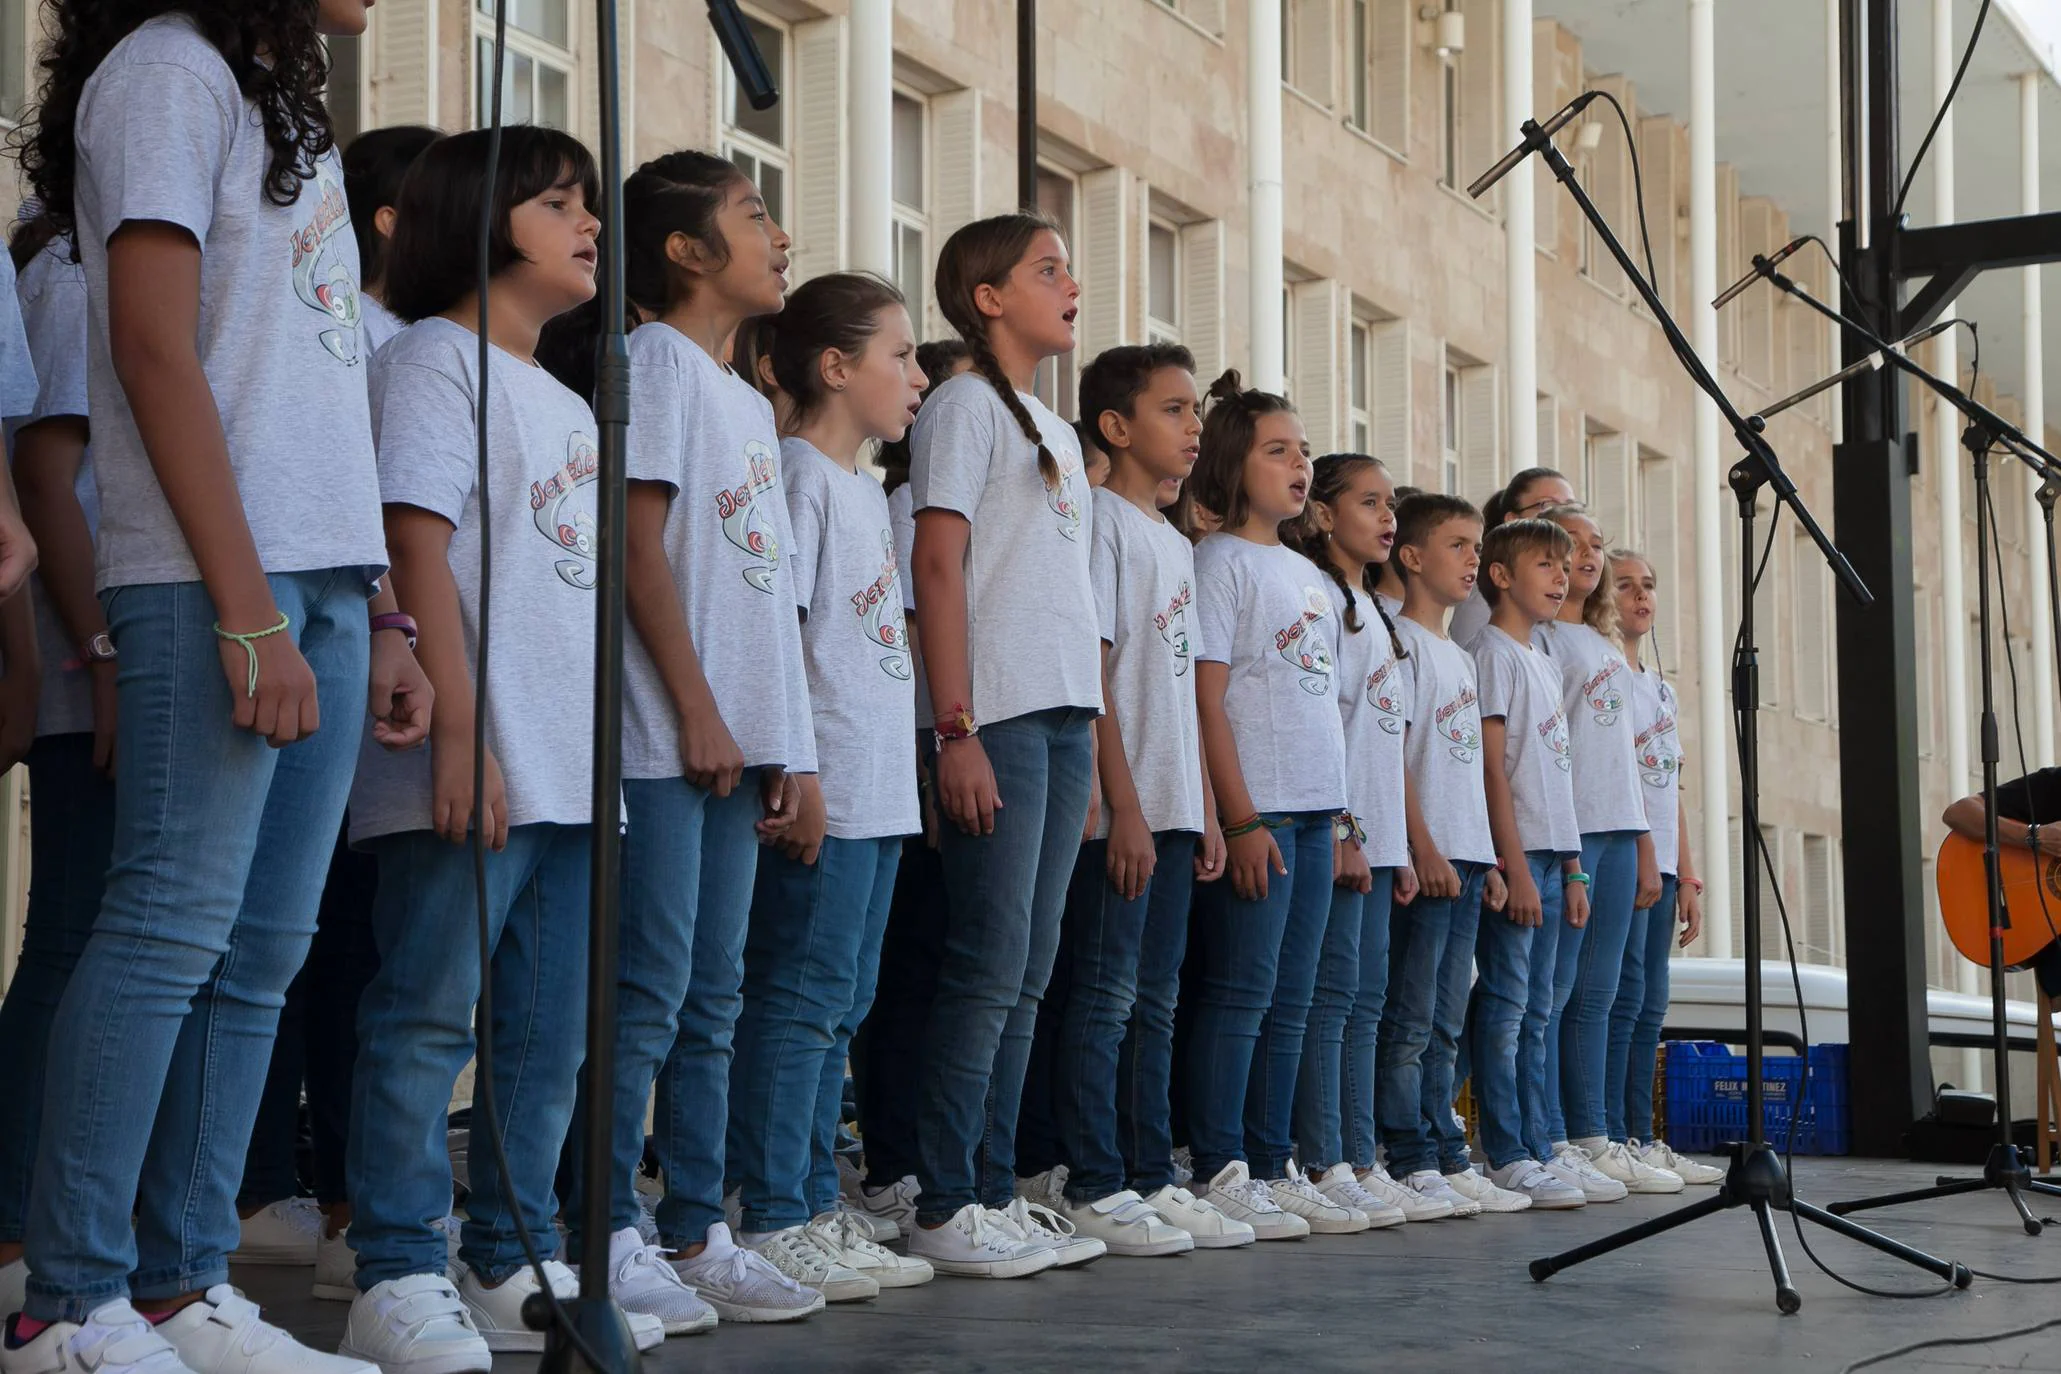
(1756, 1180)
(603, 1330)
(2005, 1168)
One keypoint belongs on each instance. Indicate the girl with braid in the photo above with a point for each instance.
(1006, 615)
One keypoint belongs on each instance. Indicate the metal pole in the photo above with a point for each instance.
(1263, 239)
(1027, 104)
(1520, 255)
(872, 98)
(2035, 424)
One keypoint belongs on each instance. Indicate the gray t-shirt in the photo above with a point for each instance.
(1442, 746)
(1144, 574)
(164, 135)
(1030, 611)
(1267, 615)
(1521, 685)
(704, 432)
(1470, 617)
(376, 323)
(855, 644)
(1595, 691)
(52, 292)
(1372, 708)
(543, 461)
(1660, 763)
(901, 514)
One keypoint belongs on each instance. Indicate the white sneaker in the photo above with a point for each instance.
(1184, 1167)
(846, 1238)
(976, 1244)
(1127, 1225)
(850, 1182)
(1412, 1204)
(743, 1285)
(336, 1268)
(794, 1252)
(14, 1287)
(416, 1325)
(1201, 1219)
(1241, 1197)
(113, 1340)
(641, 1281)
(647, 1219)
(1531, 1179)
(284, 1232)
(894, 1204)
(497, 1312)
(1613, 1160)
(1472, 1186)
(1040, 1225)
(1339, 1184)
(1575, 1169)
(1297, 1194)
(1433, 1184)
(1658, 1154)
(222, 1333)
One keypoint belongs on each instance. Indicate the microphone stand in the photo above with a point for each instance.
(2005, 1169)
(1756, 1178)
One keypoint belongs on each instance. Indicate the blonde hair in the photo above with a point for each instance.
(1599, 611)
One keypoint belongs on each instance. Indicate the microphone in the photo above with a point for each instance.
(1761, 267)
(753, 76)
(1523, 150)
(1870, 363)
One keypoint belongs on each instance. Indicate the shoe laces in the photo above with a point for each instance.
(1299, 1188)
(1659, 1154)
(994, 1231)
(794, 1245)
(1037, 1222)
(645, 1263)
(1573, 1159)
(1624, 1159)
(840, 1232)
(1350, 1191)
(1251, 1193)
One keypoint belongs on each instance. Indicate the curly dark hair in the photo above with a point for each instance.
(286, 87)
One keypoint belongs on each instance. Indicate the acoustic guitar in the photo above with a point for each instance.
(2032, 899)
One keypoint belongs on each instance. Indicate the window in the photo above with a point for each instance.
(1607, 483)
(14, 58)
(1057, 377)
(1207, 15)
(911, 204)
(1449, 446)
(345, 93)
(1449, 123)
(1359, 409)
(1358, 54)
(1163, 282)
(758, 140)
(1657, 511)
(1378, 45)
(1817, 939)
(536, 80)
(1309, 46)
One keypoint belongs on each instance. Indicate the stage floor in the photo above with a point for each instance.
(1450, 1295)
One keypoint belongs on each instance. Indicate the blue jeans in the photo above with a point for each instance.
(1332, 1080)
(1252, 1005)
(810, 961)
(1363, 1025)
(1007, 891)
(1430, 955)
(1611, 859)
(416, 1034)
(70, 835)
(1499, 1018)
(888, 1053)
(1538, 1041)
(160, 1045)
(1145, 1060)
(1636, 1017)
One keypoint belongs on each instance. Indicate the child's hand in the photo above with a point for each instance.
(1131, 855)
(1436, 877)
(1495, 893)
(780, 797)
(1349, 866)
(1525, 907)
(451, 790)
(804, 838)
(1251, 857)
(1649, 880)
(1405, 885)
(711, 758)
(1689, 911)
(1209, 852)
(400, 696)
(966, 785)
(284, 708)
(1577, 904)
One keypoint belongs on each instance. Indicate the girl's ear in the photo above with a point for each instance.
(383, 220)
(1320, 514)
(988, 301)
(836, 367)
(689, 254)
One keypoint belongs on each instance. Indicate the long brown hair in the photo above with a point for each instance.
(1329, 475)
(1599, 612)
(1227, 434)
(984, 253)
(839, 310)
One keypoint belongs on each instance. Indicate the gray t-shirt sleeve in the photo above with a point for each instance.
(952, 448)
(17, 372)
(1217, 613)
(1105, 576)
(658, 407)
(157, 144)
(1495, 679)
(428, 452)
(805, 522)
(56, 324)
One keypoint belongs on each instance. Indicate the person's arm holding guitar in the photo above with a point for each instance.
(1964, 818)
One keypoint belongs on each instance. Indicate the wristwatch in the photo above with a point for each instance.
(99, 649)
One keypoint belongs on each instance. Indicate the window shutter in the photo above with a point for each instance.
(1815, 940)
(1755, 310)
(1315, 35)
(1609, 494)
(1657, 149)
(1393, 41)
(820, 172)
(1392, 397)
(1208, 15)
(1104, 260)
(1769, 632)
(1730, 261)
(1548, 432)
(1202, 296)
(1314, 372)
(1481, 467)
(1609, 179)
(404, 62)
(1546, 98)
(1482, 135)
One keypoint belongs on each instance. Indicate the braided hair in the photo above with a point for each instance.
(1327, 483)
(984, 253)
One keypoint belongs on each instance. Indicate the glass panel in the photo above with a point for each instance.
(553, 107)
(1357, 54)
(345, 114)
(1361, 437)
(773, 190)
(1164, 247)
(14, 58)
(1359, 369)
(908, 270)
(1452, 436)
(520, 105)
(762, 124)
(545, 19)
(908, 152)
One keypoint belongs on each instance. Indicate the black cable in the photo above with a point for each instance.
(1996, 545)
(483, 1013)
(1942, 1342)
(1939, 118)
(1631, 144)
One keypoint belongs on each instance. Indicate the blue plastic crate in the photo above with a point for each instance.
(1706, 1098)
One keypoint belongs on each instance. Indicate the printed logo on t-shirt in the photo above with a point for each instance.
(1660, 753)
(1173, 626)
(1303, 643)
(562, 509)
(745, 521)
(1385, 695)
(879, 608)
(1065, 499)
(1460, 723)
(1602, 692)
(321, 277)
(1553, 730)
